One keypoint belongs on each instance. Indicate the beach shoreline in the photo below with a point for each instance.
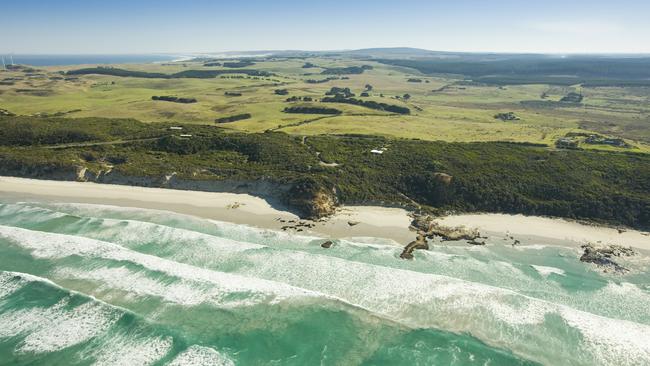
(348, 222)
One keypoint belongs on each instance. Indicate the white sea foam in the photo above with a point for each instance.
(201, 356)
(67, 328)
(10, 282)
(57, 327)
(547, 271)
(130, 351)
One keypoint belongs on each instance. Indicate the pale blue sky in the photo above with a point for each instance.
(184, 26)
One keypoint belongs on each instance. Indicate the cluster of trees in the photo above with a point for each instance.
(232, 94)
(311, 110)
(368, 104)
(320, 81)
(212, 64)
(281, 91)
(352, 70)
(572, 98)
(308, 65)
(340, 92)
(169, 98)
(414, 80)
(235, 118)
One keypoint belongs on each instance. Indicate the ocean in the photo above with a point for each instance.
(85, 284)
(62, 60)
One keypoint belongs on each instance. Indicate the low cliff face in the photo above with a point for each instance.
(308, 199)
(312, 200)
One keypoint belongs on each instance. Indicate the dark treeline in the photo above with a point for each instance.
(235, 118)
(208, 64)
(238, 64)
(194, 74)
(588, 70)
(232, 94)
(169, 98)
(298, 99)
(368, 104)
(352, 70)
(311, 110)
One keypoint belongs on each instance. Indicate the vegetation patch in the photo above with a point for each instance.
(486, 177)
(505, 117)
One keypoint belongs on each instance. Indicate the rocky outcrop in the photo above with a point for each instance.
(603, 256)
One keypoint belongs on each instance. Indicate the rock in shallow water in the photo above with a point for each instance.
(602, 256)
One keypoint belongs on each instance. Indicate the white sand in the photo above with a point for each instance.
(390, 223)
(551, 228)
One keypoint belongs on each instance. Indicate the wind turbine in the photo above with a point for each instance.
(4, 67)
(12, 59)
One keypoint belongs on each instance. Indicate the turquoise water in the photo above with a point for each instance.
(101, 285)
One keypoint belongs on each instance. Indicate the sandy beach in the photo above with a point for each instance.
(348, 222)
(389, 223)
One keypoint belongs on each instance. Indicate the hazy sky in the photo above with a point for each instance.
(184, 26)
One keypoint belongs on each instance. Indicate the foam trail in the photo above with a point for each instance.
(201, 356)
(224, 285)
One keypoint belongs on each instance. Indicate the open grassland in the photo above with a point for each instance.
(441, 107)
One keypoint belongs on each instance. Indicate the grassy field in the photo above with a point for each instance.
(442, 108)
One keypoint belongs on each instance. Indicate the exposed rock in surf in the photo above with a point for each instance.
(602, 256)
(328, 244)
(476, 242)
(419, 244)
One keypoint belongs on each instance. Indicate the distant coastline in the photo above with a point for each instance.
(62, 60)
